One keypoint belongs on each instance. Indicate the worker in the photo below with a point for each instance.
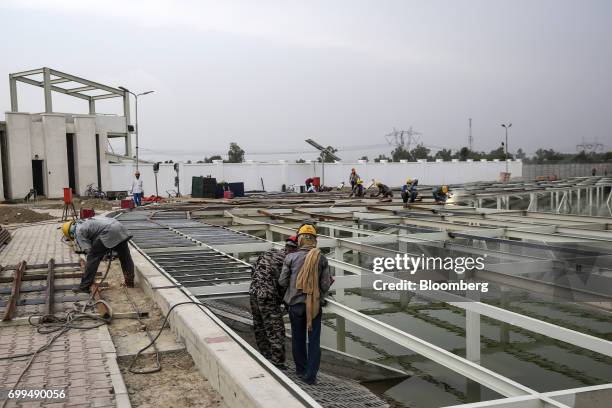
(137, 190)
(358, 190)
(306, 276)
(96, 237)
(266, 299)
(383, 190)
(441, 194)
(310, 188)
(353, 177)
(409, 191)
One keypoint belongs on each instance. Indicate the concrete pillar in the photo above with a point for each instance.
(590, 200)
(472, 336)
(341, 333)
(578, 209)
(47, 90)
(128, 135)
(269, 235)
(499, 202)
(552, 201)
(339, 256)
(13, 93)
(92, 106)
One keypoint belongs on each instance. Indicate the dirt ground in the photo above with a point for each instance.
(12, 214)
(179, 383)
(96, 204)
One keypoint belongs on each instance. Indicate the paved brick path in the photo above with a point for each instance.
(74, 363)
(80, 362)
(37, 244)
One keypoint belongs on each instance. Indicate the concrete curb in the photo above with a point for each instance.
(122, 399)
(240, 380)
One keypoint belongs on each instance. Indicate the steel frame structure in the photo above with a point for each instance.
(85, 89)
(436, 229)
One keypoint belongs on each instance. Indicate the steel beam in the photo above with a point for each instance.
(481, 375)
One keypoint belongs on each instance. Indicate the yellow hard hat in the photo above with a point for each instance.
(66, 229)
(307, 229)
(378, 184)
(359, 181)
(408, 180)
(445, 189)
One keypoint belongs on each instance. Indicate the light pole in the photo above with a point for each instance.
(136, 103)
(508, 126)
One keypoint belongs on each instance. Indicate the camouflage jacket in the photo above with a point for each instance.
(265, 273)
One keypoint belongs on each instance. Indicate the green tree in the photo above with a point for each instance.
(499, 153)
(420, 152)
(211, 158)
(300, 161)
(444, 154)
(235, 154)
(381, 157)
(364, 158)
(520, 154)
(400, 153)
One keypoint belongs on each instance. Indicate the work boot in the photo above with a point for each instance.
(129, 284)
(81, 289)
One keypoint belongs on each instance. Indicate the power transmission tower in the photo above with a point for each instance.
(470, 138)
(589, 147)
(403, 138)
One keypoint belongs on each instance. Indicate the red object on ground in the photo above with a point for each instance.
(86, 213)
(127, 203)
(151, 199)
(228, 194)
(317, 182)
(67, 195)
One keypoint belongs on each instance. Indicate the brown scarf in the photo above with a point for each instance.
(308, 282)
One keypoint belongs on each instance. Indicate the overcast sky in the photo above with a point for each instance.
(269, 74)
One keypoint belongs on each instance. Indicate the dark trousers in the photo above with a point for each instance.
(95, 256)
(269, 328)
(441, 198)
(307, 358)
(409, 196)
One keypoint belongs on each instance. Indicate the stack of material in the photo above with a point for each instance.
(5, 237)
(204, 187)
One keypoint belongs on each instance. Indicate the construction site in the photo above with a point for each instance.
(141, 266)
(539, 337)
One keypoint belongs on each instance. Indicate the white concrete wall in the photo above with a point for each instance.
(19, 153)
(276, 174)
(56, 158)
(85, 163)
(111, 123)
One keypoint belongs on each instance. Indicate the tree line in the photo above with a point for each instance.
(236, 154)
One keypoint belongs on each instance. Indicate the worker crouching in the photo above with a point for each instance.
(96, 237)
(266, 297)
(441, 194)
(306, 276)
